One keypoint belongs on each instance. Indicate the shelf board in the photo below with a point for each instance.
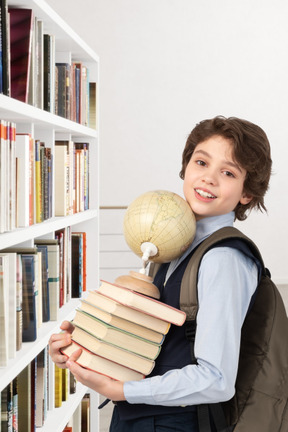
(20, 235)
(30, 350)
(59, 417)
(20, 112)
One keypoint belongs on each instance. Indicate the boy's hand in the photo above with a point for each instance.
(58, 341)
(106, 386)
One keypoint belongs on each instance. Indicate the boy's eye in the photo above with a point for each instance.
(229, 174)
(200, 162)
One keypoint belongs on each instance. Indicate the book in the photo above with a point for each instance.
(29, 298)
(6, 408)
(4, 310)
(19, 317)
(143, 303)
(93, 105)
(58, 387)
(111, 352)
(24, 399)
(85, 413)
(84, 257)
(23, 183)
(122, 323)
(61, 180)
(5, 37)
(10, 280)
(101, 365)
(51, 247)
(77, 260)
(115, 336)
(115, 308)
(45, 282)
(21, 26)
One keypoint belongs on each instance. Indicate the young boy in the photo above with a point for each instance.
(226, 168)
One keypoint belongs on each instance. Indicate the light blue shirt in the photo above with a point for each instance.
(227, 280)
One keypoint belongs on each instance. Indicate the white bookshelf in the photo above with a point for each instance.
(49, 127)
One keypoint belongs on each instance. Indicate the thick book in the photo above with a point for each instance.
(21, 26)
(101, 365)
(115, 336)
(115, 308)
(143, 303)
(111, 352)
(122, 323)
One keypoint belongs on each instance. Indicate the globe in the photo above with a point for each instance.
(159, 226)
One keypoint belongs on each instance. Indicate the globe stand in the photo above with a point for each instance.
(139, 282)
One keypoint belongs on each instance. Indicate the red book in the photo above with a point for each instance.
(21, 22)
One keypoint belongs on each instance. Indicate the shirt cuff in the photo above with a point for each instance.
(138, 391)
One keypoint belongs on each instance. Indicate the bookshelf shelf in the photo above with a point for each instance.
(21, 235)
(46, 127)
(25, 114)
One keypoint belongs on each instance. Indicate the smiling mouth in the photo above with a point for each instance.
(205, 194)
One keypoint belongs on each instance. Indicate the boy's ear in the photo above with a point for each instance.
(245, 199)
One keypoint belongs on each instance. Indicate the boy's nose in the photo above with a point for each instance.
(210, 178)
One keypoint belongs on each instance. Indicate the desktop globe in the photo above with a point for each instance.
(159, 226)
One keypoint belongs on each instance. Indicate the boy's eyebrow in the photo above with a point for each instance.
(230, 163)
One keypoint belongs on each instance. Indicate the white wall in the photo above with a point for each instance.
(165, 65)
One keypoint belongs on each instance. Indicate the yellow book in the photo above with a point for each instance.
(38, 183)
(58, 387)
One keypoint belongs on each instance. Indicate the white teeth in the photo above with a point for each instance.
(204, 194)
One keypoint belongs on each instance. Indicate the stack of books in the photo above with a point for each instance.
(121, 331)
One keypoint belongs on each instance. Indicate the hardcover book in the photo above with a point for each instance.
(122, 323)
(101, 365)
(108, 304)
(115, 336)
(21, 26)
(143, 303)
(111, 352)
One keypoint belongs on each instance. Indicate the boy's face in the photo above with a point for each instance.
(213, 182)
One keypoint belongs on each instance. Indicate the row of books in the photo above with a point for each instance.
(41, 386)
(27, 170)
(121, 331)
(34, 284)
(30, 69)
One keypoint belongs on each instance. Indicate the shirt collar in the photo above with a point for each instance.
(204, 227)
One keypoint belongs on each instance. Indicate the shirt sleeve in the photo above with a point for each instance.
(227, 280)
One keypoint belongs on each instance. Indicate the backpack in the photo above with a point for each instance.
(260, 403)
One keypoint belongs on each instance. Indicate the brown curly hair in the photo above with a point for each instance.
(251, 150)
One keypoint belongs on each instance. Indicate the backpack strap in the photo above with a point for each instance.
(228, 236)
(188, 293)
